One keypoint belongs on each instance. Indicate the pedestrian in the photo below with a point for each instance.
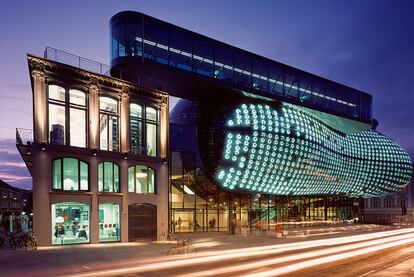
(233, 226)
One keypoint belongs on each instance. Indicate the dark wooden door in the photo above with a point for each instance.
(142, 222)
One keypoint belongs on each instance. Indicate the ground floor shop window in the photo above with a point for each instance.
(70, 223)
(109, 222)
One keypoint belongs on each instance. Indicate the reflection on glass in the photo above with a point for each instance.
(57, 124)
(57, 174)
(77, 127)
(70, 223)
(108, 177)
(136, 133)
(109, 228)
(70, 174)
(56, 93)
(141, 179)
(108, 124)
(75, 174)
(77, 100)
(151, 140)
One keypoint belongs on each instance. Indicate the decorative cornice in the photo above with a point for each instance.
(94, 80)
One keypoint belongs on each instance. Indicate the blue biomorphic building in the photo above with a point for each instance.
(252, 138)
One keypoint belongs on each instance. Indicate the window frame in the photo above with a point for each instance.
(119, 222)
(148, 179)
(67, 107)
(62, 176)
(108, 115)
(113, 177)
(143, 148)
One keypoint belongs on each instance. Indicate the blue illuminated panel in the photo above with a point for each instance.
(288, 151)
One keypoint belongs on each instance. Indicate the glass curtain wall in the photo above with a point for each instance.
(198, 204)
(109, 123)
(70, 223)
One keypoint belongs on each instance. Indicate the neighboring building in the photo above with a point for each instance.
(393, 208)
(14, 207)
(97, 157)
(252, 139)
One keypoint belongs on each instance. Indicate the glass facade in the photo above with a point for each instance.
(137, 35)
(108, 177)
(67, 110)
(205, 138)
(109, 123)
(109, 222)
(141, 179)
(144, 125)
(70, 223)
(70, 174)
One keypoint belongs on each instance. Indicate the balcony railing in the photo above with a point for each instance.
(76, 61)
(60, 56)
(24, 136)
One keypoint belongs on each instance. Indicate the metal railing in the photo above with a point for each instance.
(67, 58)
(24, 136)
(76, 61)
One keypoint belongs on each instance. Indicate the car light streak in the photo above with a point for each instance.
(294, 257)
(329, 259)
(214, 256)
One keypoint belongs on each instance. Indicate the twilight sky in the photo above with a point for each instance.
(368, 45)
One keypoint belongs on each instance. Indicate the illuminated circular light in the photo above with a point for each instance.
(319, 148)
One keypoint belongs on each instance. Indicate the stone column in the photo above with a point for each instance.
(40, 106)
(41, 198)
(163, 172)
(124, 129)
(125, 201)
(93, 114)
(94, 208)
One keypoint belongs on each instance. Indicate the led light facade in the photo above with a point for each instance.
(288, 151)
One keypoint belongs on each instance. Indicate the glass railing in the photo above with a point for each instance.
(24, 136)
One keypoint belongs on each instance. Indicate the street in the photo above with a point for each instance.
(375, 253)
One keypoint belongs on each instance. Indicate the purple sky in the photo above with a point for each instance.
(368, 45)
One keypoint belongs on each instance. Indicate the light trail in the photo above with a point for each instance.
(325, 260)
(218, 256)
(294, 257)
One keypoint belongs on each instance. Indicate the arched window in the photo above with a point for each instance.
(70, 174)
(141, 179)
(108, 174)
(109, 123)
(144, 122)
(67, 116)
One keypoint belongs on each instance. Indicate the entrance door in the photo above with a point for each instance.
(142, 222)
